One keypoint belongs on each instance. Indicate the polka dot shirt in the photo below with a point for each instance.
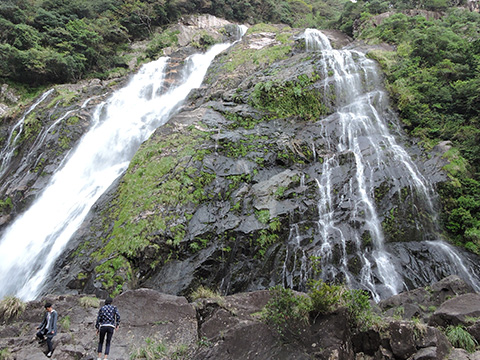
(108, 315)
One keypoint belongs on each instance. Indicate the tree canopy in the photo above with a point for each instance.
(54, 41)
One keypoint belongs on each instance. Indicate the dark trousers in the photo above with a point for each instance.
(42, 335)
(105, 330)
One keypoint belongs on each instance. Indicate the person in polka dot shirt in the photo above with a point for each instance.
(108, 320)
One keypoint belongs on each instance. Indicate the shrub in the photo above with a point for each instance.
(287, 312)
(461, 338)
(324, 297)
(11, 307)
(291, 98)
(359, 309)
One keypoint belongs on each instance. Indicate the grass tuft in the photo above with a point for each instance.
(205, 293)
(461, 338)
(89, 301)
(5, 354)
(11, 307)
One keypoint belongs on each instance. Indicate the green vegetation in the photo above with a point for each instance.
(165, 180)
(156, 349)
(58, 41)
(263, 240)
(51, 41)
(5, 354)
(65, 323)
(6, 205)
(460, 338)
(160, 41)
(152, 350)
(291, 98)
(157, 179)
(114, 273)
(264, 56)
(432, 75)
(288, 312)
(11, 307)
(89, 301)
(32, 126)
(296, 13)
(205, 293)
(238, 121)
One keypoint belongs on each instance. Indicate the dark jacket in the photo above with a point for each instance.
(108, 315)
(51, 325)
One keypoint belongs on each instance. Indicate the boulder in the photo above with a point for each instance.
(456, 311)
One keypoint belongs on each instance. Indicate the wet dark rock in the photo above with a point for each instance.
(474, 330)
(282, 152)
(402, 341)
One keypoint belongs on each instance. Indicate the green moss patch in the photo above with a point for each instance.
(161, 177)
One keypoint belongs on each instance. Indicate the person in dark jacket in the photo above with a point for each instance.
(108, 320)
(48, 328)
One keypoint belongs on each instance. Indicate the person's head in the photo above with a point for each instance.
(48, 306)
(108, 300)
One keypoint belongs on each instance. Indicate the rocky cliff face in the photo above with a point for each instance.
(410, 326)
(225, 194)
(35, 138)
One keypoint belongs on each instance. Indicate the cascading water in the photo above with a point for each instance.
(15, 134)
(353, 249)
(33, 242)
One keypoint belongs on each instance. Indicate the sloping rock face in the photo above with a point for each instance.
(35, 139)
(231, 328)
(230, 194)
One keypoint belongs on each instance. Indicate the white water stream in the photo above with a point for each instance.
(30, 246)
(15, 134)
(358, 132)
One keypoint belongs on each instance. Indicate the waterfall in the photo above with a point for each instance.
(16, 133)
(357, 133)
(30, 245)
(297, 256)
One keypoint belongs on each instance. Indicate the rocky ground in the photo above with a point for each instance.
(411, 327)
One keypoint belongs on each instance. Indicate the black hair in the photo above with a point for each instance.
(108, 300)
(47, 305)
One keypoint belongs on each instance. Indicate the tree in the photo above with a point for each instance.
(24, 37)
